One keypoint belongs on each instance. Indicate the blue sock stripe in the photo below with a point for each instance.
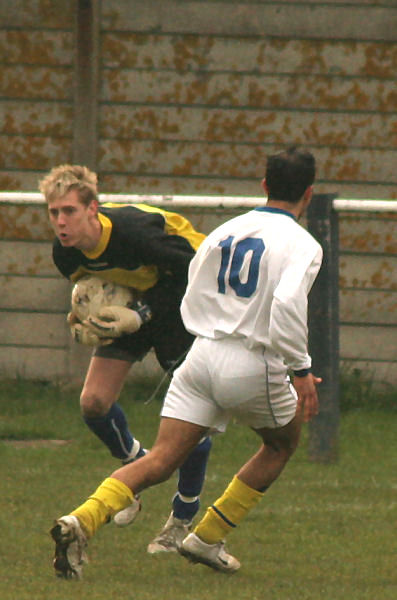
(119, 437)
(222, 516)
(112, 429)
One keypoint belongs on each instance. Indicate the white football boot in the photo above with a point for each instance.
(128, 515)
(212, 555)
(70, 543)
(170, 537)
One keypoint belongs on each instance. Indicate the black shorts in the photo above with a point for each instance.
(166, 336)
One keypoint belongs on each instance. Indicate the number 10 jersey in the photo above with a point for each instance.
(250, 279)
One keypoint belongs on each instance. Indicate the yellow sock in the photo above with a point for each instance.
(111, 497)
(227, 512)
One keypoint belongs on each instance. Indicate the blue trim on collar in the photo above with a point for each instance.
(273, 209)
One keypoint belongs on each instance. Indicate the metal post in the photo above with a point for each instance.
(87, 27)
(322, 222)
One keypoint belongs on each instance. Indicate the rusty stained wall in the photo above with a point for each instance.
(193, 96)
(36, 89)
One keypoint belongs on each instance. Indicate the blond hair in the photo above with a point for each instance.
(64, 178)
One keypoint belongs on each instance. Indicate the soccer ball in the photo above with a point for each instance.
(91, 293)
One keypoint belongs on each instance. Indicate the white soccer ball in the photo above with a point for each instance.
(91, 293)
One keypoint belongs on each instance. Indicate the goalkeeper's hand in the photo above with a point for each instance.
(114, 321)
(82, 334)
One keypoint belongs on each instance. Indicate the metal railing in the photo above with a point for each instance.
(338, 204)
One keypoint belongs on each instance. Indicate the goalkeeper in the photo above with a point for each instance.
(147, 249)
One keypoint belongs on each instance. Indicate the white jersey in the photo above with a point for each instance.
(250, 278)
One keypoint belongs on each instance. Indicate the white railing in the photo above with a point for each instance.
(339, 204)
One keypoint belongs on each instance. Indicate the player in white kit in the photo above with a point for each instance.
(246, 303)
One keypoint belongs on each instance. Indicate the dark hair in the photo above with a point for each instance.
(289, 174)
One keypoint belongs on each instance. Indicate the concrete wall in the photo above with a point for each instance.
(35, 340)
(368, 294)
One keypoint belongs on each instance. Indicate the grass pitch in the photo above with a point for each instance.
(321, 532)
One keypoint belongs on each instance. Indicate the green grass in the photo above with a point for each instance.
(363, 390)
(321, 532)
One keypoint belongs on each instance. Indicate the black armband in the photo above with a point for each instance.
(302, 372)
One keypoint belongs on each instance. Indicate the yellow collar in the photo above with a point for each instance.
(104, 239)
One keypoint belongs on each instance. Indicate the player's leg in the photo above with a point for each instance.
(174, 442)
(190, 414)
(171, 345)
(206, 543)
(186, 501)
(101, 411)
(270, 409)
(105, 381)
(105, 378)
(250, 482)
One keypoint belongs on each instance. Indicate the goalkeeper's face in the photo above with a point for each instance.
(75, 224)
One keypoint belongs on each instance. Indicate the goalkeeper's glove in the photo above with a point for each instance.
(115, 321)
(82, 334)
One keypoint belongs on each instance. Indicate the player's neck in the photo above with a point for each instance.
(295, 209)
(91, 239)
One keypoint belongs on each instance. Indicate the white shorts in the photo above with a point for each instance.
(222, 379)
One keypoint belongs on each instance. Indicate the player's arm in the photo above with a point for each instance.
(82, 334)
(116, 321)
(67, 262)
(111, 322)
(170, 253)
(288, 327)
(305, 386)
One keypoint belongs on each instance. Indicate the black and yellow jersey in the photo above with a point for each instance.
(140, 246)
